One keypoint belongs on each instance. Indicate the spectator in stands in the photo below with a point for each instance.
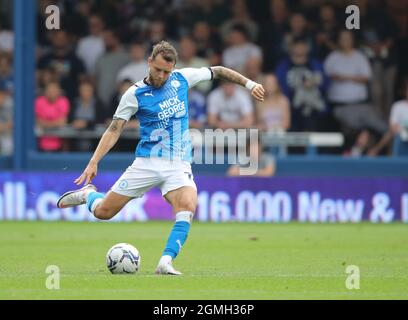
(6, 122)
(266, 164)
(240, 15)
(86, 110)
(230, 106)
(253, 69)
(137, 69)
(297, 30)
(6, 73)
(197, 110)
(51, 112)
(327, 30)
(67, 66)
(273, 39)
(239, 49)
(156, 32)
(108, 66)
(189, 59)
(6, 37)
(91, 47)
(399, 115)
(208, 43)
(274, 112)
(350, 73)
(86, 114)
(304, 82)
(77, 19)
(379, 46)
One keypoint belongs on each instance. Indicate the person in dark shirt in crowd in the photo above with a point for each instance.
(68, 67)
(304, 82)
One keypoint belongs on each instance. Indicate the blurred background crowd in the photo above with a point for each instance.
(318, 76)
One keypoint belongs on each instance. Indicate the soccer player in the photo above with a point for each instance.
(164, 154)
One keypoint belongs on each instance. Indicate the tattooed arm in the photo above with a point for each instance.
(223, 73)
(108, 140)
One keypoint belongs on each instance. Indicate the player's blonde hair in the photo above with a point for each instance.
(166, 50)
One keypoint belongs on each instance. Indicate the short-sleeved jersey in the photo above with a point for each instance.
(163, 114)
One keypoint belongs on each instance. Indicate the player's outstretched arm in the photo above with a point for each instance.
(108, 140)
(257, 90)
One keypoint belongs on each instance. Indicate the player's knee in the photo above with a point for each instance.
(104, 213)
(187, 205)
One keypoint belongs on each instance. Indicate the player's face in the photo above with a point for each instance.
(159, 70)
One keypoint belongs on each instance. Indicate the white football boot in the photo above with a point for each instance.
(165, 267)
(75, 197)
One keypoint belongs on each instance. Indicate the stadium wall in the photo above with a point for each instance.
(32, 196)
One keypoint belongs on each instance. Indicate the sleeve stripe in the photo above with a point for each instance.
(212, 73)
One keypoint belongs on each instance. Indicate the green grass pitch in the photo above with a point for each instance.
(219, 261)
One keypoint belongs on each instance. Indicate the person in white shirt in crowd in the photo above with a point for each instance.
(137, 68)
(6, 122)
(91, 47)
(350, 73)
(399, 114)
(229, 106)
(189, 59)
(108, 66)
(239, 49)
(6, 40)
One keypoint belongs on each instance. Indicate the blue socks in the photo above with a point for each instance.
(93, 199)
(178, 234)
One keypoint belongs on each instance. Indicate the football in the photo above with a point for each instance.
(123, 258)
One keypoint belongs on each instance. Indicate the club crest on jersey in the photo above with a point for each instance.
(175, 84)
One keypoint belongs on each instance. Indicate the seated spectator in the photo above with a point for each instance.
(399, 115)
(297, 30)
(91, 47)
(304, 82)
(241, 15)
(67, 66)
(265, 162)
(208, 43)
(87, 110)
(350, 73)
(230, 106)
(274, 112)
(365, 144)
(137, 69)
(253, 69)
(326, 33)
(189, 59)
(6, 36)
(6, 73)
(379, 45)
(197, 113)
(108, 66)
(6, 122)
(239, 49)
(273, 40)
(51, 112)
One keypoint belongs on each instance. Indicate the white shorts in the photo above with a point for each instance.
(146, 173)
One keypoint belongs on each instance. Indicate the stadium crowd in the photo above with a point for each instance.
(318, 75)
